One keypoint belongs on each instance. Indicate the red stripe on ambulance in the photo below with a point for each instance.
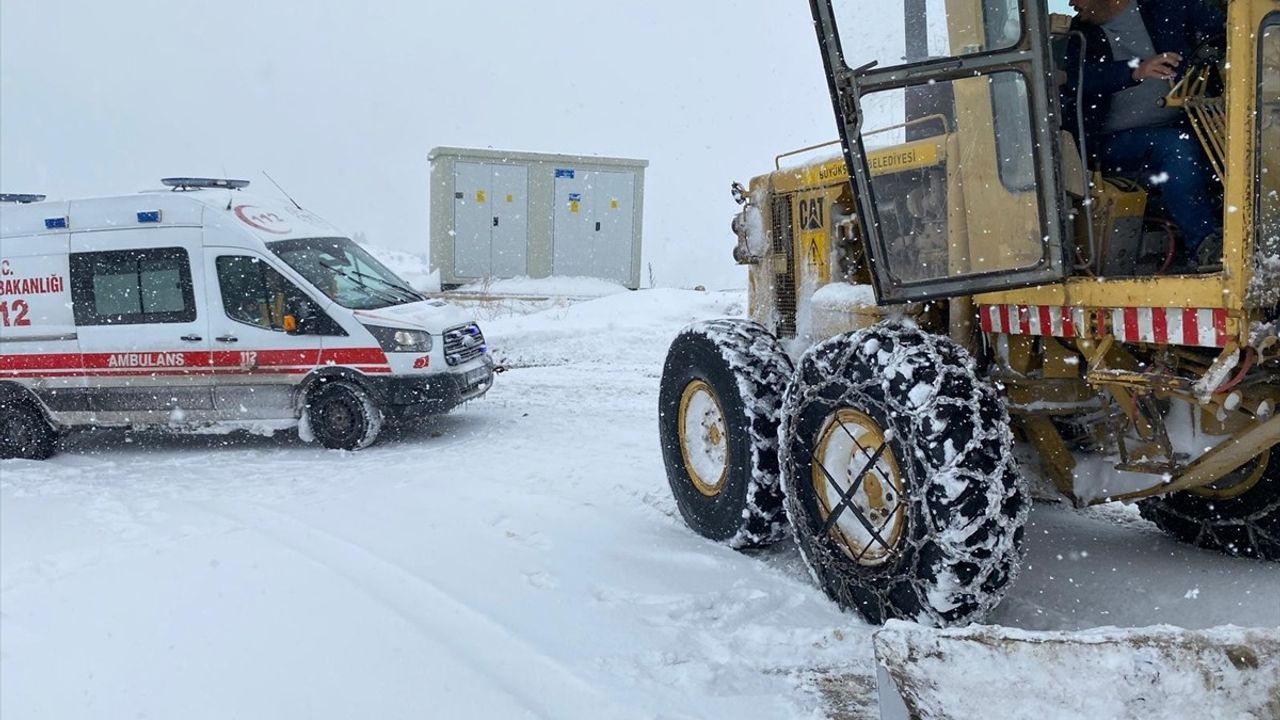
(289, 362)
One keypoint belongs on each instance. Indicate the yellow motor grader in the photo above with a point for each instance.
(962, 275)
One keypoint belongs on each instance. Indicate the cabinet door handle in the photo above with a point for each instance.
(227, 338)
(192, 338)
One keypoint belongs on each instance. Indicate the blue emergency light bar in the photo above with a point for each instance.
(195, 183)
(149, 216)
(20, 198)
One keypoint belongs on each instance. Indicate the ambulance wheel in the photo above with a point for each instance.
(24, 431)
(1238, 515)
(718, 407)
(343, 416)
(899, 477)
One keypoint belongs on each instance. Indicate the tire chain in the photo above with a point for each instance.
(1260, 528)
(980, 530)
(762, 371)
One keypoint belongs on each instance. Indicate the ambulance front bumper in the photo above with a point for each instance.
(405, 398)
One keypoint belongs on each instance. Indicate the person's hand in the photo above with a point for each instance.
(1158, 67)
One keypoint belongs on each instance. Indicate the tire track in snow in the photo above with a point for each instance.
(519, 670)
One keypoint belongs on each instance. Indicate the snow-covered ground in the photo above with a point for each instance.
(520, 557)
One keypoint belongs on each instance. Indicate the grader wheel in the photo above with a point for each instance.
(718, 422)
(1238, 515)
(900, 482)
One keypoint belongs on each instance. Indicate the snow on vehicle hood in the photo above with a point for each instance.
(434, 316)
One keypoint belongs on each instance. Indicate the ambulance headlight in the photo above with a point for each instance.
(398, 340)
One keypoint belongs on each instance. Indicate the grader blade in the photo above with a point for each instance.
(1161, 671)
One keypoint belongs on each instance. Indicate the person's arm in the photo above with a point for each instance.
(1108, 77)
(1100, 78)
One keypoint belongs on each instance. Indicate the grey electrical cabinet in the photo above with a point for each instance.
(497, 214)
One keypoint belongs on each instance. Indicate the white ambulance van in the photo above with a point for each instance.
(201, 306)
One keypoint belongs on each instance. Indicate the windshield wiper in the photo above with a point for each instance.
(354, 276)
(408, 291)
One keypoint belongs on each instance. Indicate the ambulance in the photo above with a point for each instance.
(201, 306)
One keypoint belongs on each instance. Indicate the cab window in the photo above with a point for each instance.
(254, 293)
(130, 287)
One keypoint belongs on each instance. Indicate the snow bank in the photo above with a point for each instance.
(630, 329)
(1155, 672)
(581, 287)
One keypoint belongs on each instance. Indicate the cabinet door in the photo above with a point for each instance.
(473, 221)
(572, 254)
(509, 206)
(612, 225)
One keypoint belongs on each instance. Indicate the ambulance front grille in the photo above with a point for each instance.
(463, 343)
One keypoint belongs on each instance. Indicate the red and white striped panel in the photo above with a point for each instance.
(1033, 320)
(1199, 327)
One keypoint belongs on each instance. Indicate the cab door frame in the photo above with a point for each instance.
(1030, 58)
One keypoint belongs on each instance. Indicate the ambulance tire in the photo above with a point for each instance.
(343, 416)
(25, 432)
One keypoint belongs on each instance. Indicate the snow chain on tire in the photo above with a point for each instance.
(738, 371)
(937, 458)
(1245, 524)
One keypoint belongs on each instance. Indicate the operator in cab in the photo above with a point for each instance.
(1132, 52)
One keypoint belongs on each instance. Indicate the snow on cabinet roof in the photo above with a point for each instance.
(265, 218)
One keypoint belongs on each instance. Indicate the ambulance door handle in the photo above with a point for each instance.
(192, 338)
(227, 338)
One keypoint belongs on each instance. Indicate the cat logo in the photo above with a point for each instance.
(811, 214)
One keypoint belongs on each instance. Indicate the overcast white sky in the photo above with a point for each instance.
(341, 102)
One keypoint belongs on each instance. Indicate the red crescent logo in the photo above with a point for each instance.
(264, 220)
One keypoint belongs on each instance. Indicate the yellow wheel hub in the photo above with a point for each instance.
(1238, 482)
(703, 438)
(859, 487)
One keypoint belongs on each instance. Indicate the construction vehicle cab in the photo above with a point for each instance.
(963, 275)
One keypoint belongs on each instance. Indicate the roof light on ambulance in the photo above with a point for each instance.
(196, 183)
(21, 198)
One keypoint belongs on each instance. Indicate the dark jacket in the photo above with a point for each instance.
(1174, 25)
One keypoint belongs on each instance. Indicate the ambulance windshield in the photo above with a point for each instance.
(345, 272)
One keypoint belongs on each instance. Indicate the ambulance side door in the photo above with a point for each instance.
(143, 337)
(259, 362)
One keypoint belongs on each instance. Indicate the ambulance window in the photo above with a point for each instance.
(255, 294)
(129, 287)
